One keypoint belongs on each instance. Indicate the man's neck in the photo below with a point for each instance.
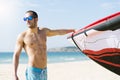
(33, 30)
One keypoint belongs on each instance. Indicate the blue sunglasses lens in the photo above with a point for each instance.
(27, 18)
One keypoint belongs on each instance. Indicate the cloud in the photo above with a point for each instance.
(21, 3)
(28, 4)
(110, 5)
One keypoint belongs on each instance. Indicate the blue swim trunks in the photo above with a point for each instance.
(33, 73)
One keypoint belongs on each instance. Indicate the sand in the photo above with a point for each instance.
(84, 70)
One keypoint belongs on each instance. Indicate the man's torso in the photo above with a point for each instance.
(35, 47)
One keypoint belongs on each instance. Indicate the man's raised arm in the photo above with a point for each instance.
(50, 32)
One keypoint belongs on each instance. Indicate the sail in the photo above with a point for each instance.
(100, 41)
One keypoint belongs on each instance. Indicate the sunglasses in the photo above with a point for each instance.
(27, 18)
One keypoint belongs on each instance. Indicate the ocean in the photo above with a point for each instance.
(52, 57)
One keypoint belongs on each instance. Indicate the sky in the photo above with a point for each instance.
(53, 14)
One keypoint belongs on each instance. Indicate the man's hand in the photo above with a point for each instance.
(16, 78)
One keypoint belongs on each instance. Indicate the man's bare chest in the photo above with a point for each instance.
(35, 39)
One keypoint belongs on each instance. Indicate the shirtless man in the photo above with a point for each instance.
(33, 40)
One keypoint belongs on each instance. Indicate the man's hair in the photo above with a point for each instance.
(34, 14)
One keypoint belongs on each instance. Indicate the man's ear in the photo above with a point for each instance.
(36, 19)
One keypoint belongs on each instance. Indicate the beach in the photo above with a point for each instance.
(84, 70)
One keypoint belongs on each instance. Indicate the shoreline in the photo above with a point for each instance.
(84, 70)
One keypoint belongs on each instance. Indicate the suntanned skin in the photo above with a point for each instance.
(33, 40)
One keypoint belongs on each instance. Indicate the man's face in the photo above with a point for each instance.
(30, 20)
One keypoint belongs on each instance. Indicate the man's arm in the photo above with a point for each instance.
(18, 49)
(50, 32)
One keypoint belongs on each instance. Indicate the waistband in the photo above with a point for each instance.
(35, 69)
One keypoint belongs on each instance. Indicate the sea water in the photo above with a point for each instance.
(52, 57)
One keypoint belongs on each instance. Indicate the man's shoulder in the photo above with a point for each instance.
(22, 34)
(44, 28)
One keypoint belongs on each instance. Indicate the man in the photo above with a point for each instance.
(33, 40)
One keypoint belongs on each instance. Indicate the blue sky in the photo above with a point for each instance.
(54, 14)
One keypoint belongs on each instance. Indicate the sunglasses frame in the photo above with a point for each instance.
(28, 18)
